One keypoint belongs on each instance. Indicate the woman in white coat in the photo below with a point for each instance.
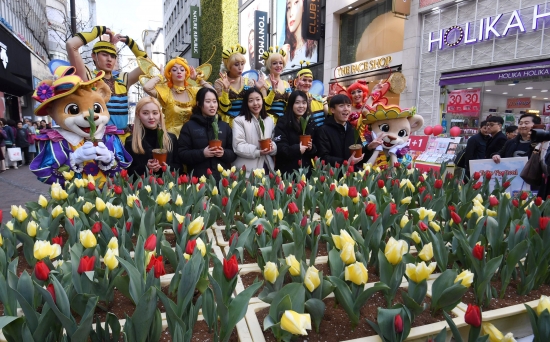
(247, 133)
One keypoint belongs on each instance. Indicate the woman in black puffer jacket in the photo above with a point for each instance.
(193, 147)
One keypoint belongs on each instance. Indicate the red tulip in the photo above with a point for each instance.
(230, 267)
(259, 229)
(518, 227)
(157, 263)
(393, 208)
(271, 193)
(506, 184)
(524, 196)
(275, 233)
(538, 201)
(427, 198)
(352, 192)
(317, 230)
(243, 168)
(58, 240)
(477, 185)
(51, 290)
(331, 172)
(96, 228)
(364, 192)
(396, 164)
(118, 189)
(451, 208)
(337, 165)
(543, 222)
(343, 212)
(208, 172)
(332, 187)
(455, 217)
(421, 179)
(515, 203)
(423, 227)
(381, 184)
(115, 231)
(86, 264)
(438, 184)
(124, 173)
(190, 246)
(225, 183)
(184, 179)
(299, 162)
(234, 236)
(160, 181)
(493, 201)
(421, 189)
(478, 252)
(370, 209)
(201, 185)
(224, 201)
(293, 208)
(488, 175)
(91, 186)
(477, 175)
(303, 223)
(473, 315)
(128, 226)
(180, 226)
(398, 324)
(150, 243)
(289, 190)
(261, 191)
(322, 179)
(194, 180)
(41, 271)
(139, 185)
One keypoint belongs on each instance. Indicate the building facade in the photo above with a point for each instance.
(177, 30)
(57, 13)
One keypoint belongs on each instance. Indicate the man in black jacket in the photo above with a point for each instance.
(475, 149)
(334, 138)
(497, 139)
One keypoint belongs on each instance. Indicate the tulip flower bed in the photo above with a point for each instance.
(391, 253)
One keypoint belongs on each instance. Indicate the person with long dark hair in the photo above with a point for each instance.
(247, 134)
(298, 47)
(193, 148)
(291, 154)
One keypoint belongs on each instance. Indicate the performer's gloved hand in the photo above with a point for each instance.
(374, 137)
(84, 153)
(103, 153)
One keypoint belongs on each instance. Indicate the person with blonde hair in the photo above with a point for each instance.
(144, 139)
(231, 86)
(174, 92)
(276, 91)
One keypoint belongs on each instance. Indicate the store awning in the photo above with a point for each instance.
(11, 84)
(510, 73)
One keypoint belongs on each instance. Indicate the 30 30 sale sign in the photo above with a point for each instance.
(464, 101)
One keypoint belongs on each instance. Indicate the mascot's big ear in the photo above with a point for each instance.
(104, 91)
(416, 122)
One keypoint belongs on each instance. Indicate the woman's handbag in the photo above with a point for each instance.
(532, 171)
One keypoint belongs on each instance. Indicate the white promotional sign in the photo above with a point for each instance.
(511, 167)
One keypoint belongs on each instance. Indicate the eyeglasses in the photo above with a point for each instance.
(525, 123)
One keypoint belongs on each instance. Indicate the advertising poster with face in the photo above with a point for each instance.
(291, 28)
(247, 35)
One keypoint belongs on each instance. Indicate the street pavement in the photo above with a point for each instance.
(18, 187)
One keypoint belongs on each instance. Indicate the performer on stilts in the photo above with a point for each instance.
(276, 91)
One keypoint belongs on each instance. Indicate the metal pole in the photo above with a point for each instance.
(73, 17)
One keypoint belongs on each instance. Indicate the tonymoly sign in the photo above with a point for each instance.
(487, 28)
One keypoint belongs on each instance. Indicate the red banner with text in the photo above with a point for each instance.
(464, 101)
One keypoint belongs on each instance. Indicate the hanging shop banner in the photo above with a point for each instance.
(546, 110)
(312, 28)
(247, 33)
(195, 32)
(511, 167)
(464, 101)
(518, 102)
(418, 142)
(402, 7)
(261, 39)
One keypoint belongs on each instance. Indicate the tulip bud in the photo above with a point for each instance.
(427, 252)
(466, 278)
(271, 272)
(544, 304)
(473, 315)
(88, 239)
(398, 324)
(41, 271)
(86, 264)
(295, 323)
(275, 233)
(51, 290)
(150, 243)
(96, 227)
(311, 279)
(416, 237)
(230, 267)
(317, 230)
(477, 175)
(294, 264)
(478, 252)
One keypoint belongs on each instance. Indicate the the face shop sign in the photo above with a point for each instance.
(464, 34)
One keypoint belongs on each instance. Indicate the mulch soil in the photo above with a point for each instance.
(248, 259)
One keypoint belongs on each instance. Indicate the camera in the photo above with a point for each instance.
(539, 135)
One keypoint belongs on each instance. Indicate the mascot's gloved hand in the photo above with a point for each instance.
(84, 153)
(103, 153)
(398, 147)
(379, 148)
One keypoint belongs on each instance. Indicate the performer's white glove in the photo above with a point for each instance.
(104, 155)
(379, 148)
(84, 153)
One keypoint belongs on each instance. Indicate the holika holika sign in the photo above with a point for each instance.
(464, 34)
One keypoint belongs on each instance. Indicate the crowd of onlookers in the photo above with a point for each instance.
(20, 134)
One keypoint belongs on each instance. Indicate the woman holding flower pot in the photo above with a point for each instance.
(252, 132)
(293, 135)
(149, 128)
(202, 129)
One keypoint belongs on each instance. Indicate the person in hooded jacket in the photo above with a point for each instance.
(193, 149)
(291, 154)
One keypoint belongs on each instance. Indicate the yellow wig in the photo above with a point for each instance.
(170, 64)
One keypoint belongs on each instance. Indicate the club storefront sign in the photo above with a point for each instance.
(517, 21)
(372, 64)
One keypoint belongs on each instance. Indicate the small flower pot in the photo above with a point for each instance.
(215, 143)
(160, 155)
(305, 139)
(265, 144)
(356, 150)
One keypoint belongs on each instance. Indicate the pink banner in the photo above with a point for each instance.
(464, 102)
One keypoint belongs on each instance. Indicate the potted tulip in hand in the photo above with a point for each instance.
(356, 149)
(160, 153)
(265, 143)
(215, 142)
(304, 139)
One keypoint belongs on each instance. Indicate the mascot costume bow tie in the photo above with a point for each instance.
(74, 146)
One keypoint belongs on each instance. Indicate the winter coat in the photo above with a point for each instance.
(10, 137)
(21, 138)
(193, 139)
(333, 140)
(287, 138)
(246, 137)
(507, 151)
(475, 149)
(494, 144)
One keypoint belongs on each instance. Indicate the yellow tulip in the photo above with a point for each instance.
(295, 323)
(115, 211)
(99, 204)
(57, 192)
(260, 211)
(202, 179)
(427, 252)
(328, 216)
(148, 188)
(404, 221)
(259, 173)
(18, 213)
(271, 272)
(278, 213)
(43, 249)
(491, 213)
(394, 250)
(9, 225)
(195, 227)
(131, 199)
(252, 221)
(420, 272)
(186, 256)
(201, 246)
(87, 207)
(179, 218)
(1, 241)
(234, 169)
(110, 259)
(509, 337)
(343, 190)
(42, 201)
(56, 211)
(234, 184)
(220, 168)
(88, 239)
(435, 226)
(311, 279)
(342, 239)
(113, 243)
(163, 198)
(347, 254)
(179, 200)
(71, 212)
(466, 278)
(215, 191)
(294, 264)
(478, 198)
(32, 227)
(406, 200)
(68, 175)
(356, 273)
(494, 334)
(408, 183)
(169, 216)
(544, 304)
(416, 237)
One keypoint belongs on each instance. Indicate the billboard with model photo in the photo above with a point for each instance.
(296, 19)
(248, 34)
